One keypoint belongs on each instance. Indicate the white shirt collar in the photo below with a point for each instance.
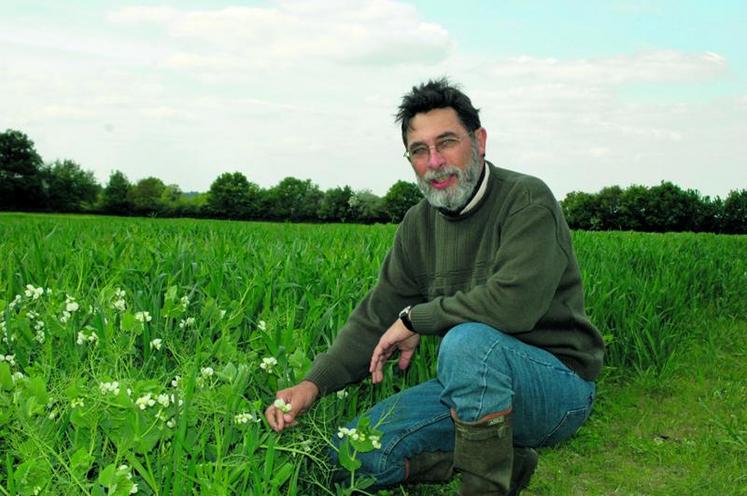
(480, 191)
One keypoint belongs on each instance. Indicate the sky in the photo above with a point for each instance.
(581, 94)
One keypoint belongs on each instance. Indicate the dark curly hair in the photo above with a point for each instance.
(435, 94)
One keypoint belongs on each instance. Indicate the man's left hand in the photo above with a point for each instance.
(397, 337)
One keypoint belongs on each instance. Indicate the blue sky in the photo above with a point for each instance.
(581, 94)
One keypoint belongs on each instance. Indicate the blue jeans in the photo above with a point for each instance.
(480, 371)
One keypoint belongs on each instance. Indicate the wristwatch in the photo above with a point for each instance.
(404, 316)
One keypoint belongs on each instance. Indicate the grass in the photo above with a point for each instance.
(668, 420)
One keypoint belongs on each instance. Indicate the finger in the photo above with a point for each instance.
(404, 359)
(270, 418)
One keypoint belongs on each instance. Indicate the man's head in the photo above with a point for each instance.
(444, 141)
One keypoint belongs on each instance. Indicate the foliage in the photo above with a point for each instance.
(662, 208)
(400, 197)
(366, 207)
(69, 187)
(146, 196)
(335, 205)
(232, 196)
(293, 199)
(115, 198)
(20, 173)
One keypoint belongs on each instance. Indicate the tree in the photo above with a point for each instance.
(146, 196)
(294, 199)
(735, 212)
(400, 197)
(69, 188)
(232, 196)
(116, 195)
(20, 172)
(579, 209)
(335, 205)
(366, 207)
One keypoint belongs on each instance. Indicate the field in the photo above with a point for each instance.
(137, 355)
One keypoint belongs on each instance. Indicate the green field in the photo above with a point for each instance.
(140, 353)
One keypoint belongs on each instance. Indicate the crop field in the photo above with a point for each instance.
(137, 355)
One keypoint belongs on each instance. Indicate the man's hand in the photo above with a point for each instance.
(397, 337)
(300, 397)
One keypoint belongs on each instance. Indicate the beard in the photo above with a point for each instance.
(453, 198)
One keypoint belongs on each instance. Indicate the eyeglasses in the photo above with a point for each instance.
(421, 153)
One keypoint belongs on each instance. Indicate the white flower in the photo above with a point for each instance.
(155, 344)
(92, 338)
(342, 394)
(145, 401)
(32, 292)
(120, 293)
(2, 326)
(17, 376)
(65, 316)
(177, 380)
(281, 405)
(344, 431)
(245, 418)
(207, 372)
(71, 305)
(163, 399)
(268, 363)
(162, 416)
(222, 313)
(11, 359)
(32, 315)
(133, 489)
(77, 403)
(40, 337)
(188, 322)
(39, 325)
(15, 302)
(109, 387)
(375, 442)
(143, 317)
(184, 301)
(119, 305)
(171, 423)
(262, 325)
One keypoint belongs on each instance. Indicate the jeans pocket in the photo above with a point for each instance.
(567, 427)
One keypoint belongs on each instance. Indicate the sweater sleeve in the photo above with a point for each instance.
(529, 265)
(348, 358)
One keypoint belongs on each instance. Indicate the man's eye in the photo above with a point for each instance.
(447, 143)
(419, 151)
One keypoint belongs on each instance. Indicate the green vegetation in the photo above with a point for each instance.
(161, 341)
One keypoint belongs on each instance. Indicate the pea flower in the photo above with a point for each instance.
(342, 394)
(207, 372)
(109, 387)
(262, 325)
(188, 322)
(143, 317)
(171, 423)
(163, 399)
(71, 305)
(145, 401)
(344, 431)
(11, 359)
(184, 301)
(281, 405)
(375, 442)
(245, 418)
(77, 403)
(15, 302)
(156, 344)
(31, 315)
(92, 338)
(119, 305)
(268, 364)
(32, 292)
(177, 380)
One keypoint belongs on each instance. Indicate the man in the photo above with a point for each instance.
(486, 261)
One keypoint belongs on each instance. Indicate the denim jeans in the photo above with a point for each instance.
(480, 371)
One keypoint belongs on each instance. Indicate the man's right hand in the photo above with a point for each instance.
(300, 397)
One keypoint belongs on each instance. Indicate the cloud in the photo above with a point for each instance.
(373, 32)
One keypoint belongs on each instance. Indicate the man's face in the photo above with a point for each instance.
(446, 159)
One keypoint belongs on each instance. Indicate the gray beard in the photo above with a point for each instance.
(455, 197)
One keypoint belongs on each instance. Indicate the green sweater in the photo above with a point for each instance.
(508, 263)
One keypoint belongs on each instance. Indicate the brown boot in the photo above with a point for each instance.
(430, 466)
(484, 453)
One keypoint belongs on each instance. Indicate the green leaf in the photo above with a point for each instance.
(282, 475)
(346, 458)
(107, 476)
(80, 463)
(6, 380)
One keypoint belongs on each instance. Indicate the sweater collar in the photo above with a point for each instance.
(477, 194)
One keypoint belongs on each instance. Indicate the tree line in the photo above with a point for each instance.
(29, 184)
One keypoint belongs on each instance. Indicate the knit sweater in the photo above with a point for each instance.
(508, 263)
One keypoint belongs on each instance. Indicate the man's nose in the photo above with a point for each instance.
(435, 158)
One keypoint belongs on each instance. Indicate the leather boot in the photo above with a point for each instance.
(525, 462)
(430, 466)
(484, 454)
